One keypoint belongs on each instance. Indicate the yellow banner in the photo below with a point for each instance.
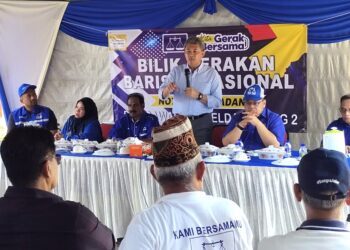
(232, 102)
(157, 102)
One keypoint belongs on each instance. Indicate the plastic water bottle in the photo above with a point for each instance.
(240, 144)
(288, 149)
(302, 150)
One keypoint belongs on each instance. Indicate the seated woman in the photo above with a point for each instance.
(84, 123)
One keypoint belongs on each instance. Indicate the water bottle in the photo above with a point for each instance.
(302, 150)
(240, 144)
(288, 149)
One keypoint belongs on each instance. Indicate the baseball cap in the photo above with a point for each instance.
(24, 87)
(173, 143)
(321, 171)
(254, 93)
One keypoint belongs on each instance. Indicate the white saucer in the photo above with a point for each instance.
(104, 152)
(218, 159)
(286, 162)
(246, 160)
(82, 152)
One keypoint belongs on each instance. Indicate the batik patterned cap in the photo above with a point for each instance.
(174, 142)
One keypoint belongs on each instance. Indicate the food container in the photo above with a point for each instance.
(207, 150)
(90, 146)
(270, 153)
(147, 148)
(64, 145)
(135, 150)
(230, 150)
(109, 144)
(334, 140)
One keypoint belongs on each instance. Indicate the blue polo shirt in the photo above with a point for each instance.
(250, 136)
(40, 116)
(87, 129)
(125, 127)
(343, 126)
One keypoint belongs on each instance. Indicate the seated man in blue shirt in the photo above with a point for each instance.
(31, 114)
(256, 126)
(137, 123)
(343, 123)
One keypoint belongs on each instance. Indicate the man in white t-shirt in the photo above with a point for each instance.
(324, 183)
(185, 218)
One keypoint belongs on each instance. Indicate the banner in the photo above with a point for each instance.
(271, 55)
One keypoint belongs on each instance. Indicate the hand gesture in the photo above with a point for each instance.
(249, 117)
(191, 92)
(57, 135)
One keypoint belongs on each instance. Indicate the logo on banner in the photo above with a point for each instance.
(174, 43)
(225, 42)
(117, 41)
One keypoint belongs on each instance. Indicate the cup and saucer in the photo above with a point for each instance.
(241, 157)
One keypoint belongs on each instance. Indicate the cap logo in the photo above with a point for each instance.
(327, 181)
(251, 91)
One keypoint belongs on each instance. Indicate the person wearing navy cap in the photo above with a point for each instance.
(257, 126)
(324, 183)
(31, 114)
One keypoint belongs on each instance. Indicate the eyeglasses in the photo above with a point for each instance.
(192, 52)
(252, 103)
(344, 110)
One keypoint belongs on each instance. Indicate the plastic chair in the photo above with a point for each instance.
(216, 135)
(106, 127)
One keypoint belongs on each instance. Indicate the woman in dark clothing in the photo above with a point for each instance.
(84, 123)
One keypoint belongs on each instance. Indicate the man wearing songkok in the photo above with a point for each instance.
(185, 217)
(137, 123)
(257, 126)
(324, 183)
(31, 114)
(343, 123)
(33, 218)
(197, 89)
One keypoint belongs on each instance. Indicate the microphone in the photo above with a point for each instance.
(187, 74)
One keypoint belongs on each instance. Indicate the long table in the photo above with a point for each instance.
(116, 188)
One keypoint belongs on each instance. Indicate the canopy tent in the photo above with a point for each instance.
(80, 69)
(89, 20)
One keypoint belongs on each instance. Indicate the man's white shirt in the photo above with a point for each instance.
(189, 220)
(312, 235)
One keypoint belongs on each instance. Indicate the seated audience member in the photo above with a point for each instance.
(33, 218)
(83, 124)
(137, 123)
(257, 126)
(31, 114)
(343, 123)
(185, 217)
(324, 183)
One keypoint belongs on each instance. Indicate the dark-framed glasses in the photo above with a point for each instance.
(253, 103)
(344, 110)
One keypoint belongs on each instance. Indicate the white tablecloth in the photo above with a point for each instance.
(117, 188)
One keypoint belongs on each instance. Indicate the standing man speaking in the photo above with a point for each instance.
(196, 88)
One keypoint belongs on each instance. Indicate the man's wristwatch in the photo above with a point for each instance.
(200, 96)
(239, 126)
